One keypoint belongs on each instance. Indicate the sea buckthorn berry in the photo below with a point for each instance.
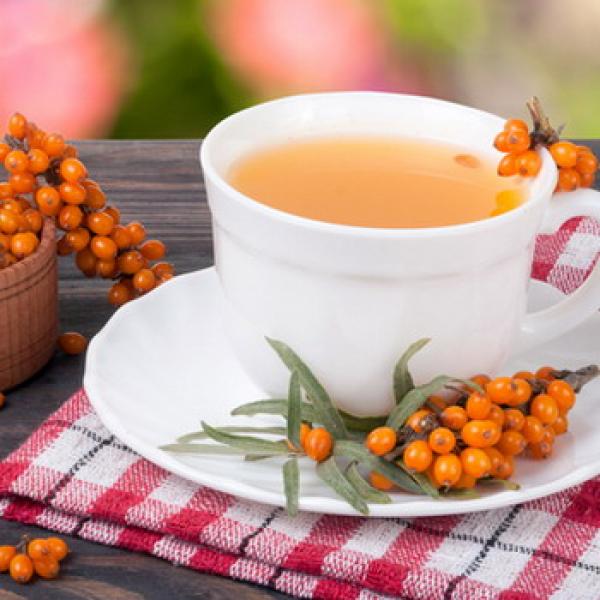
(121, 236)
(587, 163)
(70, 217)
(532, 430)
(16, 161)
(38, 161)
(101, 223)
(9, 223)
(35, 136)
(34, 218)
(5, 190)
(54, 145)
(511, 443)
(318, 444)
(46, 569)
(513, 419)
(522, 392)
(153, 249)
(6, 555)
(568, 180)
(507, 165)
(48, 201)
(561, 425)
(564, 153)
(545, 373)
(516, 125)
(505, 469)
(70, 152)
(442, 440)
(72, 193)
(380, 482)
(17, 126)
(417, 456)
(72, 343)
(38, 549)
(22, 183)
(72, 170)
(465, 482)
(137, 232)
(501, 142)
(21, 568)
(103, 247)
(496, 458)
(106, 268)
(95, 197)
(480, 434)
(62, 247)
(13, 205)
(544, 448)
(86, 262)
(501, 390)
(545, 408)
(478, 406)
(516, 141)
(454, 417)
(587, 180)
(144, 280)
(120, 294)
(130, 262)
(524, 375)
(304, 429)
(77, 239)
(529, 163)
(447, 469)
(24, 244)
(4, 150)
(380, 441)
(475, 462)
(115, 213)
(563, 393)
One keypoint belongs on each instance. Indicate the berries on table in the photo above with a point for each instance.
(72, 343)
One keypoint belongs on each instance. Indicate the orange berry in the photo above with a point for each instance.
(516, 125)
(475, 462)
(480, 433)
(6, 555)
(54, 145)
(501, 390)
(4, 150)
(106, 268)
(38, 161)
(95, 197)
(17, 126)
(447, 470)
(36, 137)
(529, 163)
(70, 217)
(545, 373)
(318, 444)
(414, 421)
(115, 213)
(587, 163)
(544, 448)
(48, 201)
(532, 430)
(73, 193)
(478, 406)
(417, 456)
(38, 549)
(524, 375)
(72, 343)
(9, 221)
(522, 392)
(72, 170)
(47, 568)
(137, 232)
(16, 161)
(511, 443)
(103, 247)
(21, 568)
(120, 294)
(120, 235)
(5, 190)
(563, 394)
(153, 249)
(380, 482)
(77, 239)
(70, 152)
(130, 262)
(454, 417)
(568, 180)
(587, 180)
(516, 141)
(24, 244)
(144, 280)
(380, 441)
(304, 429)
(22, 183)
(34, 218)
(513, 419)
(496, 458)
(442, 440)
(561, 425)
(545, 408)
(62, 247)
(564, 153)
(507, 165)
(163, 268)
(505, 469)
(465, 482)
(501, 141)
(101, 223)
(86, 262)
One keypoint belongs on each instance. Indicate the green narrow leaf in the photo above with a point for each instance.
(505, 483)
(273, 407)
(461, 494)
(291, 485)
(202, 435)
(364, 424)
(414, 400)
(325, 411)
(294, 417)
(200, 449)
(366, 490)
(257, 457)
(395, 473)
(246, 443)
(403, 381)
(330, 473)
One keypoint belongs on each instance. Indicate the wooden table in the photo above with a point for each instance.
(159, 184)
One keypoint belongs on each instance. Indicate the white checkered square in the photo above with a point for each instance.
(580, 251)
(107, 466)
(453, 556)
(248, 513)
(528, 528)
(66, 449)
(297, 528)
(374, 537)
(174, 490)
(499, 567)
(174, 550)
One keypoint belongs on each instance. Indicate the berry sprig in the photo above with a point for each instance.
(577, 165)
(48, 180)
(442, 438)
(40, 556)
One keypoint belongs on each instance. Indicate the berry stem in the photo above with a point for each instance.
(577, 379)
(543, 132)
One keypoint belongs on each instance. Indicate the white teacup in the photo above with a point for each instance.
(349, 300)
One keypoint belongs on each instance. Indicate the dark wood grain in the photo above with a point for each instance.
(160, 184)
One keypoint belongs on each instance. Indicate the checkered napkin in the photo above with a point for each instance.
(73, 476)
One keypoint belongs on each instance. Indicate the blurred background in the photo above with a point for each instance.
(157, 68)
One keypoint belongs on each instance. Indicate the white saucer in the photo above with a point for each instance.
(161, 365)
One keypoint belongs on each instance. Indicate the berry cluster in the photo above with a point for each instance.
(576, 165)
(47, 180)
(39, 556)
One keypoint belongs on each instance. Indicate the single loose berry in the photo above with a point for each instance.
(6, 555)
(72, 343)
(21, 568)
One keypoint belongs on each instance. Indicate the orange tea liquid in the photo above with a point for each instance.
(376, 182)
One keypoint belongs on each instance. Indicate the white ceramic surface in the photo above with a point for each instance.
(162, 364)
(349, 299)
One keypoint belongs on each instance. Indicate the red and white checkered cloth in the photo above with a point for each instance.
(74, 477)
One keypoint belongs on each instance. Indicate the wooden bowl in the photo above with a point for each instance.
(29, 312)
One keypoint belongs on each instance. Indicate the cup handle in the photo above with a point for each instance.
(541, 326)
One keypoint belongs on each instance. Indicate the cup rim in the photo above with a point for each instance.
(547, 178)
